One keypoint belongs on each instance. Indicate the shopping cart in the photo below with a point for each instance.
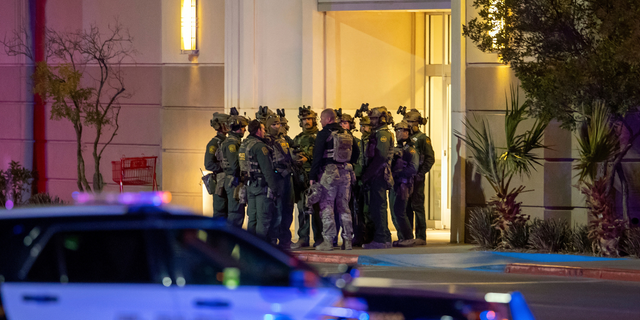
(138, 171)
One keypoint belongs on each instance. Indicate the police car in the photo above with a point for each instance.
(141, 259)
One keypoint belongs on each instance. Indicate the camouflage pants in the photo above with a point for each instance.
(336, 191)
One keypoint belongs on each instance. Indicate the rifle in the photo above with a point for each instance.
(300, 178)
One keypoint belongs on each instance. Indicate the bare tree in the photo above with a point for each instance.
(83, 97)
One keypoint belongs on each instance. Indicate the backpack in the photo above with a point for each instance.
(342, 146)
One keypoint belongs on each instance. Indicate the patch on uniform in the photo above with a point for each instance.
(285, 147)
(383, 139)
(241, 156)
(412, 151)
(265, 151)
(414, 139)
(428, 141)
(232, 148)
(212, 149)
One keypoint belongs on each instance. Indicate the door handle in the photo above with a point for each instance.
(40, 298)
(216, 303)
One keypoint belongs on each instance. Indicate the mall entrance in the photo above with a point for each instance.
(392, 59)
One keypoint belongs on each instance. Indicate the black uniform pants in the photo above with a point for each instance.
(284, 209)
(236, 210)
(416, 211)
(263, 219)
(378, 210)
(399, 215)
(306, 222)
(220, 206)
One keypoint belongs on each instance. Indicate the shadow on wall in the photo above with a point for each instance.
(475, 194)
(631, 168)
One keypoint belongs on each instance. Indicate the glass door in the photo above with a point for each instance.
(438, 97)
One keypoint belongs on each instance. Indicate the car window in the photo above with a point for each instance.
(203, 257)
(109, 256)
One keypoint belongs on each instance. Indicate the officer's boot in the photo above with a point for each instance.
(326, 245)
(346, 245)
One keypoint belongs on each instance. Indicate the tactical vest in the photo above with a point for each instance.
(247, 162)
(225, 145)
(306, 141)
(342, 147)
(364, 141)
(415, 138)
(219, 155)
(281, 153)
(373, 143)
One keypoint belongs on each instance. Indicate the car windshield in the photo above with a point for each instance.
(203, 256)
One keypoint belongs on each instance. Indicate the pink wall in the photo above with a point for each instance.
(140, 119)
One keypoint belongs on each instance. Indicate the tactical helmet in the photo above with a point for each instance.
(414, 116)
(365, 121)
(313, 194)
(219, 121)
(347, 118)
(283, 120)
(263, 113)
(271, 120)
(402, 125)
(236, 121)
(379, 113)
(306, 113)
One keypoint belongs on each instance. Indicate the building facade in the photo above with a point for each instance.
(285, 54)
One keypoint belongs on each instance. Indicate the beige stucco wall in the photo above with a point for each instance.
(552, 184)
(192, 90)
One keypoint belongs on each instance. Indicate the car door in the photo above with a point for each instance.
(221, 276)
(91, 274)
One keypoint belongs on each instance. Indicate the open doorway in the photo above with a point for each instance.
(396, 58)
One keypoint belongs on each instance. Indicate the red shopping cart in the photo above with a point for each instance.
(137, 171)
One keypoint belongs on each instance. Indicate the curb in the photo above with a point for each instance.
(565, 271)
(326, 257)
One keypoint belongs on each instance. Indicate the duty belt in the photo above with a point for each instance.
(254, 180)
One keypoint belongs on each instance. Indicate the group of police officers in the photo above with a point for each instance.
(337, 181)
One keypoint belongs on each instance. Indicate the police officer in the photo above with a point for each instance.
(334, 150)
(347, 122)
(284, 128)
(305, 142)
(211, 163)
(422, 144)
(231, 166)
(282, 162)
(261, 184)
(377, 176)
(368, 228)
(404, 166)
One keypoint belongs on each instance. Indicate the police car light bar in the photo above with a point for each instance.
(155, 198)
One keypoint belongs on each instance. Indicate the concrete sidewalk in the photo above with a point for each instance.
(466, 257)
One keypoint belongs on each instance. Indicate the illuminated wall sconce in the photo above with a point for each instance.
(189, 41)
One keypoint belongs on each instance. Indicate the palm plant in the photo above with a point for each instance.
(518, 158)
(599, 145)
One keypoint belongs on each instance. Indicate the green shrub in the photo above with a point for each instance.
(482, 229)
(630, 243)
(44, 199)
(552, 235)
(581, 241)
(516, 236)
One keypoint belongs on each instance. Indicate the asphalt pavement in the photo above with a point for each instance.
(556, 286)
